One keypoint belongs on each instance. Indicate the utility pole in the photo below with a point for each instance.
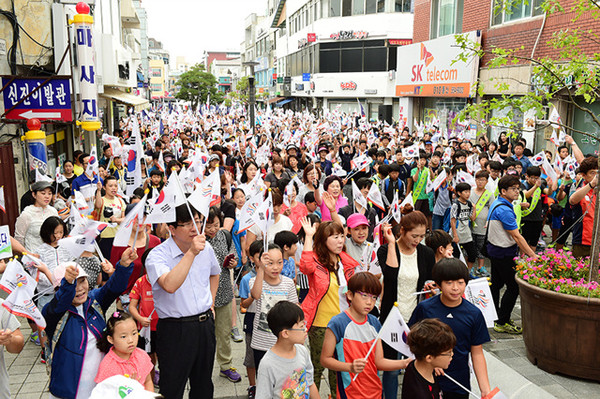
(251, 94)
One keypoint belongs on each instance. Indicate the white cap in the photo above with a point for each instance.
(59, 272)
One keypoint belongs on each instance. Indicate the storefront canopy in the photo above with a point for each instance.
(138, 103)
(283, 102)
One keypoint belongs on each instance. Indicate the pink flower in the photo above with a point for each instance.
(557, 289)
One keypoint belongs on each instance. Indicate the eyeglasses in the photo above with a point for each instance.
(451, 353)
(190, 224)
(514, 188)
(302, 328)
(366, 296)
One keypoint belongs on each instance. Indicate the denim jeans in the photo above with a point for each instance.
(390, 382)
(437, 222)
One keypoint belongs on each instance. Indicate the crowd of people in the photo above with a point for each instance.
(361, 217)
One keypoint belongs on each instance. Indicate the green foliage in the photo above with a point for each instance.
(572, 75)
(196, 85)
(241, 90)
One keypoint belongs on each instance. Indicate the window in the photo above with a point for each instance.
(358, 7)
(517, 9)
(352, 56)
(371, 6)
(335, 8)
(402, 5)
(346, 8)
(380, 5)
(446, 17)
(352, 60)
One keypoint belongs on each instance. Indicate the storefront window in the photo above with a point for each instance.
(346, 8)
(584, 122)
(442, 109)
(517, 119)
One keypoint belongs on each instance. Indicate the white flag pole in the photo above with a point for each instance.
(187, 204)
(460, 385)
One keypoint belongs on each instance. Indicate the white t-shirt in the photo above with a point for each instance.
(91, 362)
(284, 223)
(7, 320)
(408, 277)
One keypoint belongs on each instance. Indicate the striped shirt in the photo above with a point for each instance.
(262, 337)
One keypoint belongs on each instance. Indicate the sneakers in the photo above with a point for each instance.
(43, 357)
(231, 374)
(482, 271)
(35, 338)
(235, 335)
(252, 392)
(508, 328)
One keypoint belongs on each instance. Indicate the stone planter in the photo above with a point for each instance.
(561, 332)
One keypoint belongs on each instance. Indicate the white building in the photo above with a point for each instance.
(331, 52)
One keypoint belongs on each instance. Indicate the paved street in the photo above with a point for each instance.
(508, 369)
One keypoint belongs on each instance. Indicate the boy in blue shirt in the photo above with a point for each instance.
(467, 322)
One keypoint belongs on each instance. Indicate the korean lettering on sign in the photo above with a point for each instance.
(51, 101)
(87, 73)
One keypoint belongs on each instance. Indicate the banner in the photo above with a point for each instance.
(19, 302)
(15, 275)
(5, 245)
(479, 294)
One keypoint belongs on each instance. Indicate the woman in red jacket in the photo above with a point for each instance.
(328, 268)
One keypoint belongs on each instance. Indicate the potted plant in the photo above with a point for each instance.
(560, 308)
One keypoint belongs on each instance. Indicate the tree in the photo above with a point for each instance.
(241, 90)
(196, 85)
(570, 76)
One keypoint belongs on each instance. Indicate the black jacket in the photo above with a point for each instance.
(425, 262)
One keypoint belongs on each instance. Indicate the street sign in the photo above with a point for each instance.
(51, 101)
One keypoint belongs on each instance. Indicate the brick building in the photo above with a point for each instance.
(528, 26)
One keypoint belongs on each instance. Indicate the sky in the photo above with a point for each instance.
(188, 27)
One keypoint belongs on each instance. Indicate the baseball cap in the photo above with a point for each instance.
(291, 147)
(40, 185)
(357, 219)
(59, 272)
(323, 149)
(213, 157)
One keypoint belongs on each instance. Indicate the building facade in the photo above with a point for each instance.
(524, 27)
(332, 52)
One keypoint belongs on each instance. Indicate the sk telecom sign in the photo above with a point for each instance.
(41, 98)
(427, 69)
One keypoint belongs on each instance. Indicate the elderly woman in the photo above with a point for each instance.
(333, 186)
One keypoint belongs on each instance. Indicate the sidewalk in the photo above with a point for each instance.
(508, 368)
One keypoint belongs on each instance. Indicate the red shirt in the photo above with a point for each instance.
(142, 291)
(588, 203)
(138, 366)
(138, 270)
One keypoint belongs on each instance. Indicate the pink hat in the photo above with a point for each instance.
(357, 219)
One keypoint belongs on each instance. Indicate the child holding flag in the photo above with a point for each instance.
(11, 338)
(349, 337)
(467, 323)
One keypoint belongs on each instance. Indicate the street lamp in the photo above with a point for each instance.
(251, 92)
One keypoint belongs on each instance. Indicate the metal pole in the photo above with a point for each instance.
(594, 259)
(252, 99)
